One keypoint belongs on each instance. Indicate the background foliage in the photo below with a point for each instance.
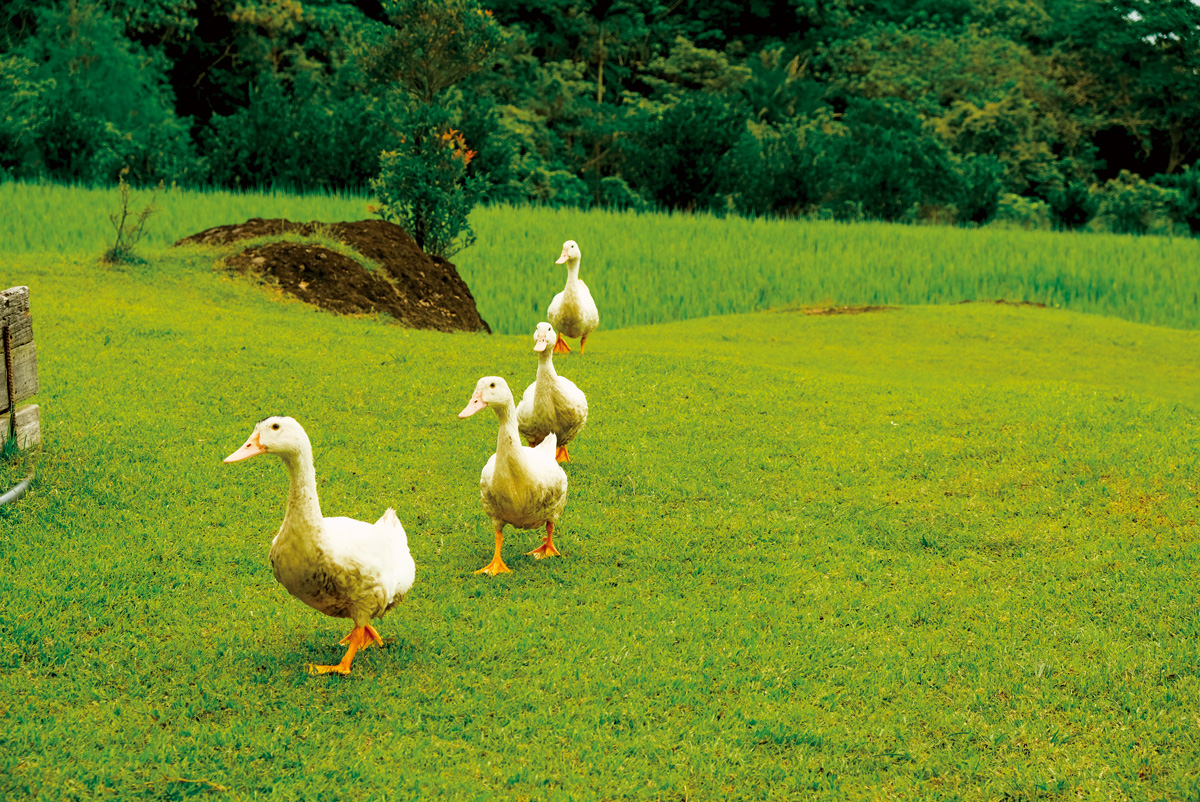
(882, 109)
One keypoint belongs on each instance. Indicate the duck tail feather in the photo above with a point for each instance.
(550, 443)
(388, 518)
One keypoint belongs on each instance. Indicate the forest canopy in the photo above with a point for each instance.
(890, 109)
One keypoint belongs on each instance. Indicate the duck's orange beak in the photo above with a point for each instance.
(252, 448)
(474, 405)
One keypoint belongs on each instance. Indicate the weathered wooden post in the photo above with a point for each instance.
(18, 369)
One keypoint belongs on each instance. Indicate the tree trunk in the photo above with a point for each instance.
(1179, 152)
(600, 75)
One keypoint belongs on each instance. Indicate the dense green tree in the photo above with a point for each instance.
(1135, 63)
(678, 159)
(1185, 204)
(433, 45)
(94, 101)
(883, 108)
(1073, 204)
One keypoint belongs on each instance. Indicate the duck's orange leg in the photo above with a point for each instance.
(582, 343)
(561, 454)
(547, 548)
(560, 345)
(372, 633)
(359, 638)
(496, 566)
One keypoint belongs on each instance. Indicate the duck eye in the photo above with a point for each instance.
(275, 426)
(492, 385)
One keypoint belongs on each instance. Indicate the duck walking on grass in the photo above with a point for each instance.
(342, 567)
(552, 404)
(572, 312)
(521, 486)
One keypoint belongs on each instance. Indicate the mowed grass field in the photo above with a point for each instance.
(934, 552)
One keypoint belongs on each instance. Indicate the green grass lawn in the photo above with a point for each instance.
(937, 552)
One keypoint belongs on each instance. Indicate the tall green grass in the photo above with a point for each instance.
(52, 218)
(656, 268)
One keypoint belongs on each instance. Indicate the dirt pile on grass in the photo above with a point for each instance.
(419, 290)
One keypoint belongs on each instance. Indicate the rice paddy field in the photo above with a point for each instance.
(938, 551)
(647, 269)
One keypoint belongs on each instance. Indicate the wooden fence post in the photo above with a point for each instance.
(19, 355)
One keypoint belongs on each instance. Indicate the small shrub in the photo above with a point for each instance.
(1132, 205)
(310, 131)
(883, 164)
(979, 196)
(423, 186)
(1073, 205)
(677, 159)
(557, 188)
(130, 229)
(1185, 204)
(775, 169)
(1016, 211)
(616, 194)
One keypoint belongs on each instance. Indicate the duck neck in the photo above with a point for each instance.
(508, 440)
(572, 271)
(303, 509)
(545, 372)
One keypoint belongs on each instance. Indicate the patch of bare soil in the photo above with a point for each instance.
(844, 310)
(1003, 302)
(419, 290)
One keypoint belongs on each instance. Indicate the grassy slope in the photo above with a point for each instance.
(934, 552)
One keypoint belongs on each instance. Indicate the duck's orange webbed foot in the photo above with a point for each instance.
(561, 454)
(496, 566)
(547, 548)
(560, 346)
(359, 638)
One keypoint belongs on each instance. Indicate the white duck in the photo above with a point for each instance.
(552, 403)
(521, 486)
(339, 566)
(572, 312)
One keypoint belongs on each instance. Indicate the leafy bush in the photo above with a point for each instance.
(1185, 204)
(1019, 211)
(884, 165)
(1073, 205)
(776, 169)
(307, 132)
(614, 193)
(981, 183)
(1132, 205)
(424, 186)
(97, 103)
(558, 188)
(23, 116)
(677, 159)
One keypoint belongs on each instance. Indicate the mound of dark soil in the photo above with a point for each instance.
(419, 290)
